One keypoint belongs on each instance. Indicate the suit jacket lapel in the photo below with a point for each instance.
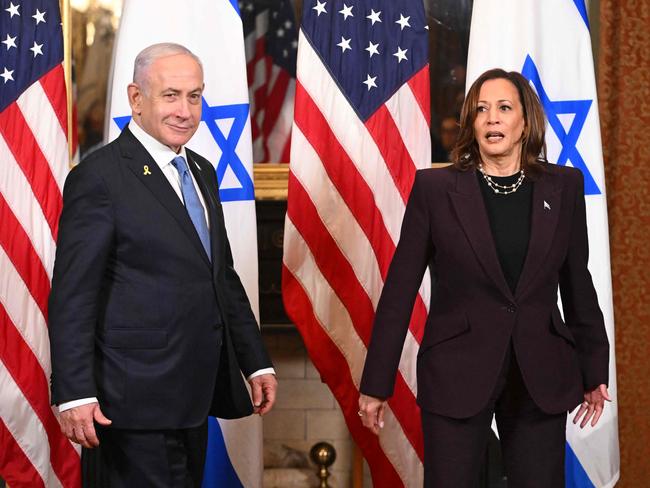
(140, 162)
(545, 214)
(470, 208)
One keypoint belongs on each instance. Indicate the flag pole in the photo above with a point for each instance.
(66, 21)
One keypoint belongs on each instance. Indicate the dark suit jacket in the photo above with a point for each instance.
(474, 315)
(138, 316)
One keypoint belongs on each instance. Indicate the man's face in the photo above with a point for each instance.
(167, 105)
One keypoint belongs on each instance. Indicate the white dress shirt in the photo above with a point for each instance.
(163, 156)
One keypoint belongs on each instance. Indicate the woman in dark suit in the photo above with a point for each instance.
(502, 229)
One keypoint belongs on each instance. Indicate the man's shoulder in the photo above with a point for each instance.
(104, 162)
(99, 157)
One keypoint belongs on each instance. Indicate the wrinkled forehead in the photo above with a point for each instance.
(176, 64)
(178, 72)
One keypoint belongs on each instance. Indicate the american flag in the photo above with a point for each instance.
(361, 131)
(33, 165)
(271, 42)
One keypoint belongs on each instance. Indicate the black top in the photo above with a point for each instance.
(509, 217)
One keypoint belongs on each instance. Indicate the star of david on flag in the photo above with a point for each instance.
(549, 43)
(227, 142)
(568, 138)
(211, 29)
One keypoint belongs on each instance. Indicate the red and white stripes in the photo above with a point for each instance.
(33, 167)
(348, 187)
(271, 94)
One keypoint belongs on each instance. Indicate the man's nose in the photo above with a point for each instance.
(182, 109)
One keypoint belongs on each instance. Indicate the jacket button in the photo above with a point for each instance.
(511, 309)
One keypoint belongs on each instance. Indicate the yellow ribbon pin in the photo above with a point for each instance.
(146, 170)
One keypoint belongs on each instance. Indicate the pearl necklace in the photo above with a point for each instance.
(502, 189)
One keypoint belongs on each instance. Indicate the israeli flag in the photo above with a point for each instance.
(211, 29)
(549, 43)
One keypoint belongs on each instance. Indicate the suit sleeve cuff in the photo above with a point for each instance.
(260, 372)
(77, 403)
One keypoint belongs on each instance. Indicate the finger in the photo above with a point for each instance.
(587, 417)
(80, 437)
(100, 418)
(368, 421)
(91, 435)
(581, 411)
(371, 423)
(598, 412)
(69, 433)
(269, 393)
(380, 416)
(264, 407)
(256, 393)
(365, 415)
(362, 403)
(67, 427)
(605, 393)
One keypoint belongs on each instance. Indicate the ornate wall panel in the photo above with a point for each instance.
(624, 91)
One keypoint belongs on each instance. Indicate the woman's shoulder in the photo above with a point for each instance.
(561, 171)
(437, 176)
(562, 176)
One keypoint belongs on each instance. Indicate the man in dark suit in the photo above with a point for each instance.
(150, 326)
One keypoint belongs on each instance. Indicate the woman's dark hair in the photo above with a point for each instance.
(465, 154)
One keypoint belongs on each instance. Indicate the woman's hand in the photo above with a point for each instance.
(592, 406)
(371, 411)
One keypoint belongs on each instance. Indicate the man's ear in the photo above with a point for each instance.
(135, 97)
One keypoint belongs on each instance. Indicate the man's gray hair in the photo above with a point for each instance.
(148, 55)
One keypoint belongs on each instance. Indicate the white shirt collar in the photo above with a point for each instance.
(160, 153)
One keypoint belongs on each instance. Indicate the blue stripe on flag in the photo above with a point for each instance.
(582, 8)
(235, 5)
(576, 477)
(219, 471)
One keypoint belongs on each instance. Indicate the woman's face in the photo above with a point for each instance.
(499, 123)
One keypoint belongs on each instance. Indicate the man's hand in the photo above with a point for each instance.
(263, 389)
(371, 411)
(77, 424)
(592, 406)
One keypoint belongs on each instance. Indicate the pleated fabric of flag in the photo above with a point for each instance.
(360, 132)
(549, 43)
(271, 41)
(33, 166)
(212, 29)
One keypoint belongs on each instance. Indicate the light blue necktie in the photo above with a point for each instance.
(193, 203)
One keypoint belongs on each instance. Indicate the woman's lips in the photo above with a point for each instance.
(494, 136)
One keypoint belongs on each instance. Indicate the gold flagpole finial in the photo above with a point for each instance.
(66, 21)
